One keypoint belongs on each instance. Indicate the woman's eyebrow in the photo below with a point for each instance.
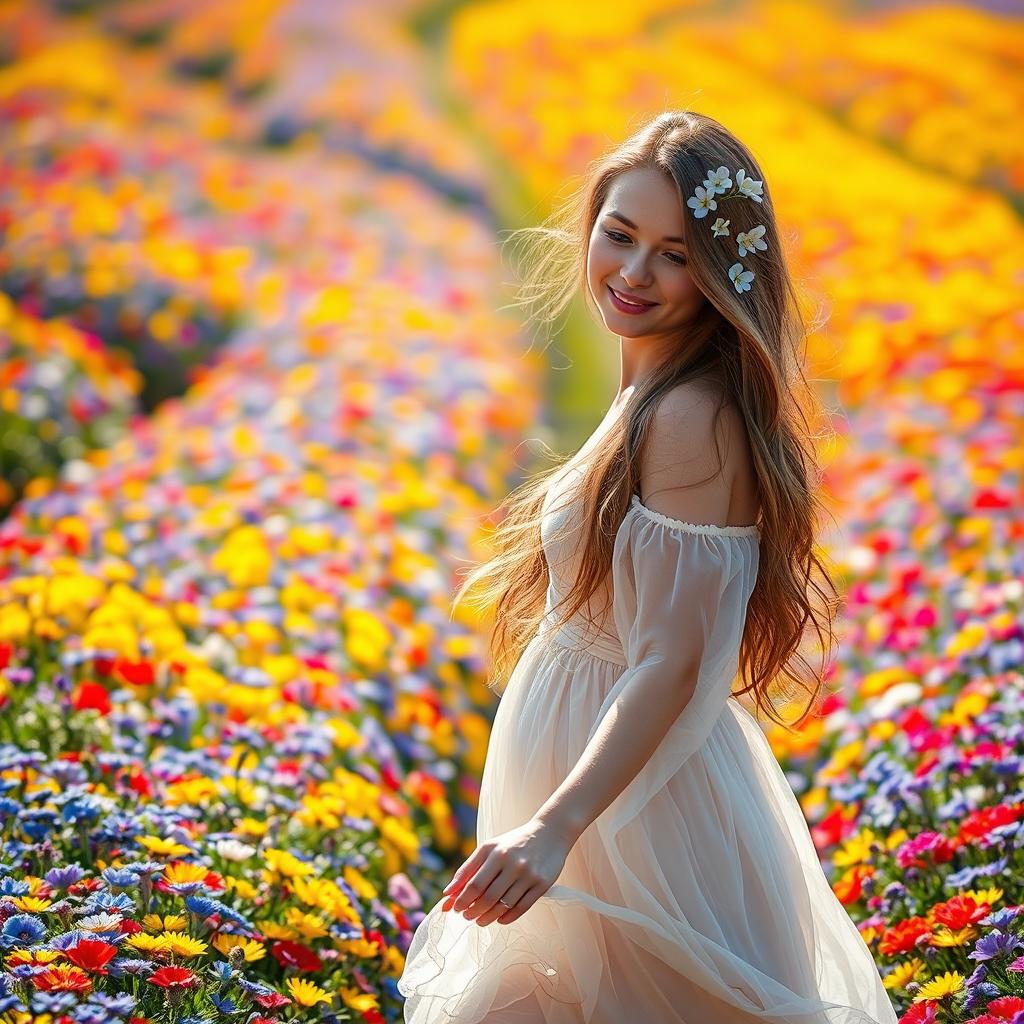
(630, 224)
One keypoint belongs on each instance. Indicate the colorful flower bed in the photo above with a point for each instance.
(241, 732)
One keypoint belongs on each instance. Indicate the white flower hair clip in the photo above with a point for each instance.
(703, 201)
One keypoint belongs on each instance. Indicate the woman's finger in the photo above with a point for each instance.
(488, 899)
(516, 891)
(468, 868)
(476, 885)
(524, 903)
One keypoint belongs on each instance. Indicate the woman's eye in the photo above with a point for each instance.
(674, 257)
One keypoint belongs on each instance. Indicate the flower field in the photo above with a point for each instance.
(257, 398)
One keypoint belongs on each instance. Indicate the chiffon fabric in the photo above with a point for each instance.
(697, 896)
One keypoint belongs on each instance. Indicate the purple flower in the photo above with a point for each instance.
(994, 944)
(62, 878)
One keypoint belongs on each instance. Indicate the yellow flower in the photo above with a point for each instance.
(938, 988)
(286, 864)
(856, 850)
(170, 923)
(245, 889)
(359, 947)
(327, 896)
(305, 993)
(273, 930)
(362, 888)
(163, 847)
(252, 949)
(183, 873)
(991, 895)
(307, 925)
(184, 945)
(359, 1001)
(944, 937)
(147, 943)
(903, 974)
(30, 904)
(321, 812)
(37, 956)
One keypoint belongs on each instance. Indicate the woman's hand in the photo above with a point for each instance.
(518, 867)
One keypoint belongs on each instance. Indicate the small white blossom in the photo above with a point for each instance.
(749, 187)
(720, 227)
(718, 181)
(702, 201)
(108, 921)
(741, 278)
(750, 240)
(234, 850)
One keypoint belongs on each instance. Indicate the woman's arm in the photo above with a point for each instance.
(628, 735)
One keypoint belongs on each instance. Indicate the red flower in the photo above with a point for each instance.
(920, 1013)
(901, 937)
(173, 977)
(91, 955)
(137, 673)
(273, 1001)
(63, 978)
(293, 954)
(91, 696)
(1005, 1006)
(959, 912)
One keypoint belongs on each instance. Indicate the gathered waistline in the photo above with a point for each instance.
(570, 635)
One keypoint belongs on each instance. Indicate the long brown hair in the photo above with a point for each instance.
(752, 344)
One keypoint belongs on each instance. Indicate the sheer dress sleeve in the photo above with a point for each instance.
(680, 598)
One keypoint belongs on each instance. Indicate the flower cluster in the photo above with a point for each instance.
(705, 199)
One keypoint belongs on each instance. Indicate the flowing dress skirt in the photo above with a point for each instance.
(709, 906)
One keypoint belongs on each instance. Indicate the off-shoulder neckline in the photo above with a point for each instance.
(703, 528)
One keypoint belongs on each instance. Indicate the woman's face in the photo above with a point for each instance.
(636, 248)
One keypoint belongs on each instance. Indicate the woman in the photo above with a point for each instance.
(640, 854)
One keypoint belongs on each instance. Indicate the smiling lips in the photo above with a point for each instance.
(626, 305)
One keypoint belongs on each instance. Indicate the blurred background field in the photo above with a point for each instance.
(260, 396)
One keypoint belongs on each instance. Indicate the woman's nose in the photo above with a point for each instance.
(634, 274)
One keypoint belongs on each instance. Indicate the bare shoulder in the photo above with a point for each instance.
(680, 474)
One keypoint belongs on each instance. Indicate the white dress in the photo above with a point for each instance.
(697, 896)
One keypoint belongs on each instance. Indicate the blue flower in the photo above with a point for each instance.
(254, 988)
(222, 971)
(121, 903)
(204, 906)
(69, 939)
(53, 1002)
(21, 930)
(130, 965)
(121, 878)
(224, 1004)
(121, 1004)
